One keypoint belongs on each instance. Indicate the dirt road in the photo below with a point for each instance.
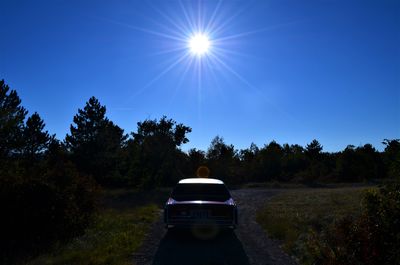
(248, 245)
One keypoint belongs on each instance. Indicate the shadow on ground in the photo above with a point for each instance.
(182, 247)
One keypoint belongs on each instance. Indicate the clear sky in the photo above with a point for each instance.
(289, 71)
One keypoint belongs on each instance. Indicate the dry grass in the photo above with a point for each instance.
(118, 231)
(290, 215)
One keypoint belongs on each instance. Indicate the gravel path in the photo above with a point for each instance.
(248, 245)
(260, 249)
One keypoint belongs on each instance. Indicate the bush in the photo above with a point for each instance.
(371, 238)
(42, 204)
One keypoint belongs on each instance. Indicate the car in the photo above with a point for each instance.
(200, 201)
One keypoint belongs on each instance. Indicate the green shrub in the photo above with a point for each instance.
(43, 203)
(371, 238)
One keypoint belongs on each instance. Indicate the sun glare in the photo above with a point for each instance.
(200, 41)
(199, 44)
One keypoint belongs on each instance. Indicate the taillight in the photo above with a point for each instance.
(230, 202)
(170, 201)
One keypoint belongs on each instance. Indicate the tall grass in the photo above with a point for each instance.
(111, 239)
(292, 214)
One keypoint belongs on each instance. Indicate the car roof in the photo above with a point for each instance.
(200, 181)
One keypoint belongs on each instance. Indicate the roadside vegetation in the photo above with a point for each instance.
(118, 229)
(50, 189)
(336, 226)
(291, 214)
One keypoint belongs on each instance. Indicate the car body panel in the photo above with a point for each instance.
(186, 213)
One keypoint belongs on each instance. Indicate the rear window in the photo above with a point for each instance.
(205, 192)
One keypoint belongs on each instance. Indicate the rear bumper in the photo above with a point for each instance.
(175, 220)
(208, 222)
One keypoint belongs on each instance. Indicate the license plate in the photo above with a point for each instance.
(200, 214)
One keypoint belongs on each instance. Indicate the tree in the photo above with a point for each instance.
(196, 159)
(164, 130)
(313, 149)
(293, 161)
(12, 116)
(154, 152)
(95, 142)
(248, 162)
(46, 206)
(392, 157)
(223, 160)
(36, 139)
(269, 160)
(359, 164)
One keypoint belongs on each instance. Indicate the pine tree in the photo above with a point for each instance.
(12, 116)
(95, 141)
(35, 138)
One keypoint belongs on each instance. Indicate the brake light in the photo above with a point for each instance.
(170, 201)
(230, 202)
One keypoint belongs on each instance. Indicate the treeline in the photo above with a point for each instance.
(48, 186)
(44, 197)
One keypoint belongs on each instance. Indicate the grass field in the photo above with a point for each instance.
(290, 215)
(119, 229)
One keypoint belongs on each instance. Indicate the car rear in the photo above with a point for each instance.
(200, 202)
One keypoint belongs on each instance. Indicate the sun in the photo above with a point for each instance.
(199, 44)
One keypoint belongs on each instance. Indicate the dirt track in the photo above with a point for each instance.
(248, 245)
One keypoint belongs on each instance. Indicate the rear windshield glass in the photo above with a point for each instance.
(205, 192)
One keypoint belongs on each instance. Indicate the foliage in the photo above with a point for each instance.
(222, 160)
(111, 239)
(95, 143)
(371, 238)
(36, 139)
(269, 159)
(195, 159)
(12, 116)
(48, 189)
(154, 157)
(290, 216)
(391, 157)
(42, 195)
(313, 149)
(43, 203)
(358, 164)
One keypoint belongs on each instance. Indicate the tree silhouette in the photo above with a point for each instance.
(165, 130)
(392, 157)
(358, 164)
(223, 160)
(154, 152)
(43, 197)
(248, 159)
(196, 159)
(95, 142)
(36, 139)
(313, 149)
(293, 161)
(12, 116)
(270, 161)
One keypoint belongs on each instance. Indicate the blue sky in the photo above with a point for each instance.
(289, 71)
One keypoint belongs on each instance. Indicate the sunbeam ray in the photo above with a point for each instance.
(227, 67)
(248, 84)
(224, 52)
(217, 30)
(166, 70)
(243, 34)
(143, 29)
(172, 50)
(181, 79)
(183, 31)
(211, 20)
(188, 20)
